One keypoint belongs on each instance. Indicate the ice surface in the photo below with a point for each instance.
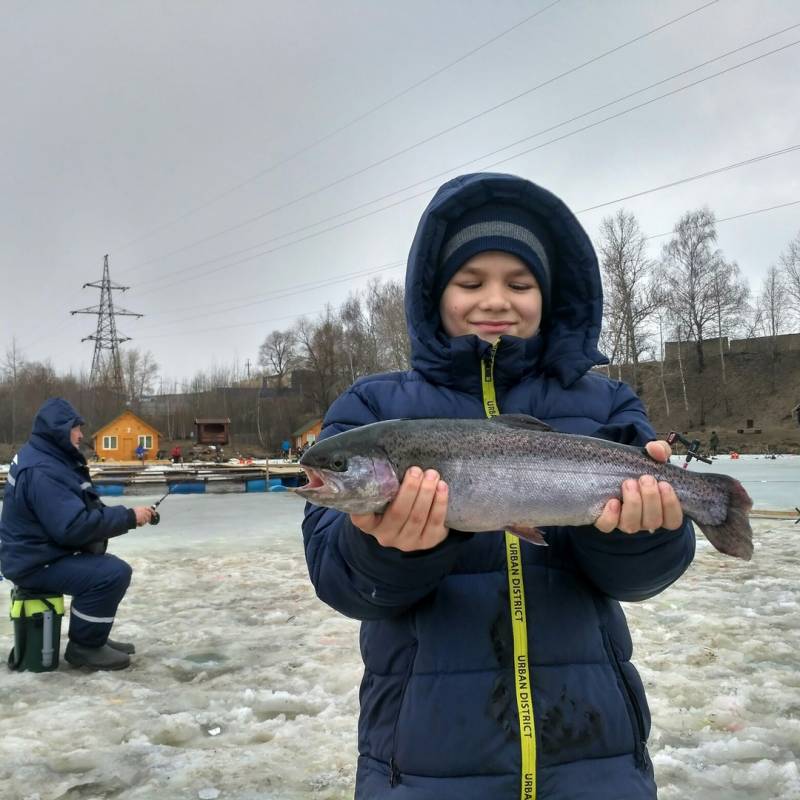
(245, 684)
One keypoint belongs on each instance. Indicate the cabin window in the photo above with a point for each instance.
(146, 442)
(109, 443)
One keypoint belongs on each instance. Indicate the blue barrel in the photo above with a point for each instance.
(275, 482)
(188, 487)
(256, 485)
(110, 489)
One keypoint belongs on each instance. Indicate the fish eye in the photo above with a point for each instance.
(339, 463)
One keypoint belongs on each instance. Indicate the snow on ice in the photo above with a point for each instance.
(245, 685)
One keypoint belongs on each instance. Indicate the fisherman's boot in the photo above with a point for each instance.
(104, 657)
(123, 647)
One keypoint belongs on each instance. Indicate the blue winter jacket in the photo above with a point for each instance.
(438, 705)
(50, 508)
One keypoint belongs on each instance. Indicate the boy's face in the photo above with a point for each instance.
(493, 294)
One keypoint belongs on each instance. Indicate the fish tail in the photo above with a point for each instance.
(733, 536)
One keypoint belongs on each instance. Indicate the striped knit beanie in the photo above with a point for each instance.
(496, 226)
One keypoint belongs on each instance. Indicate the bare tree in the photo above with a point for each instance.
(729, 294)
(773, 306)
(385, 304)
(703, 292)
(139, 370)
(322, 350)
(790, 272)
(627, 290)
(277, 355)
(12, 364)
(661, 361)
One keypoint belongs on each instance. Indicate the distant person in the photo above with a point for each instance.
(504, 307)
(140, 451)
(713, 443)
(177, 455)
(53, 535)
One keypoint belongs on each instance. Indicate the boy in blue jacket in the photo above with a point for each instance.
(463, 696)
(53, 532)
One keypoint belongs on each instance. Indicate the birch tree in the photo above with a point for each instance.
(627, 289)
(789, 265)
(773, 306)
(703, 292)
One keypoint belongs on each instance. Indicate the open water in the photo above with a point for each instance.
(245, 686)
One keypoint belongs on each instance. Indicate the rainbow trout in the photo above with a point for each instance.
(512, 472)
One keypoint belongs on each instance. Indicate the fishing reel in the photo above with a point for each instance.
(156, 518)
(692, 448)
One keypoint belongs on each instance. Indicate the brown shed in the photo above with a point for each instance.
(117, 440)
(212, 430)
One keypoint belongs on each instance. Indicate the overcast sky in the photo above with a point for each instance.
(240, 161)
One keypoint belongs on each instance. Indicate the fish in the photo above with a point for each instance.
(512, 472)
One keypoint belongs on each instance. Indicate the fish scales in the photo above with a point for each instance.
(512, 472)
(513, 476)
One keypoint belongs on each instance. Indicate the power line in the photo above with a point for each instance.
(281, 293)
(311, 286)
(338, 130)
(793, 148)
(268, 321)
(272, 320)
(735, 216)
(426, 140)
(494, 152)
(487, 155)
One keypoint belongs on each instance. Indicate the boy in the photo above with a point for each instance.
(466, 694)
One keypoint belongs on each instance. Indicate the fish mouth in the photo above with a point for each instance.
(318, 481)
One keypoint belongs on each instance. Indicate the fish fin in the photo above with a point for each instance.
(532, 535)
(521, 421)
(734, 537)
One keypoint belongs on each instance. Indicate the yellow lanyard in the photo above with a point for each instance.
(519, 619)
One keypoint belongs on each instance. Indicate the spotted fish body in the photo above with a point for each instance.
(512, 472)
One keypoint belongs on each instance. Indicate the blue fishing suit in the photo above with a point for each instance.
(54, 527)
(439, 713)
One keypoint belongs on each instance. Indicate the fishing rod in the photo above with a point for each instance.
(156, 518)
(692, 448)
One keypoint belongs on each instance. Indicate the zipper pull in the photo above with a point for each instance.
(394, 774)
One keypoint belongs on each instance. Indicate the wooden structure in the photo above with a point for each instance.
(212, 430)
(117, 440)
(307, 433)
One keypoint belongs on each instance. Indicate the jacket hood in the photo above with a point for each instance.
(52, 425)
(565, 347)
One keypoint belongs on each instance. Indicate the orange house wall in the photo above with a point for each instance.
(314, 431)
(127, 429)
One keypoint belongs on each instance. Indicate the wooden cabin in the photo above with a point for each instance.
(212, 430)
(307, 433)
(117, 440)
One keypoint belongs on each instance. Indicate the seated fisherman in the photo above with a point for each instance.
(54, 530)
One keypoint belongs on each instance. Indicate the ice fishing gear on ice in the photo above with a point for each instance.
(36, 617)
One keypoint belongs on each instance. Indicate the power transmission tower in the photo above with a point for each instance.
(106, 336)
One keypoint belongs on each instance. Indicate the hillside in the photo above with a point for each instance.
(761, 385)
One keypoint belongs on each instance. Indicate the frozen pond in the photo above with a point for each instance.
(245, 686)
(772, 483)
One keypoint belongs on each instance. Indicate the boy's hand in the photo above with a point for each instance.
(414, 520)
(646, 504)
